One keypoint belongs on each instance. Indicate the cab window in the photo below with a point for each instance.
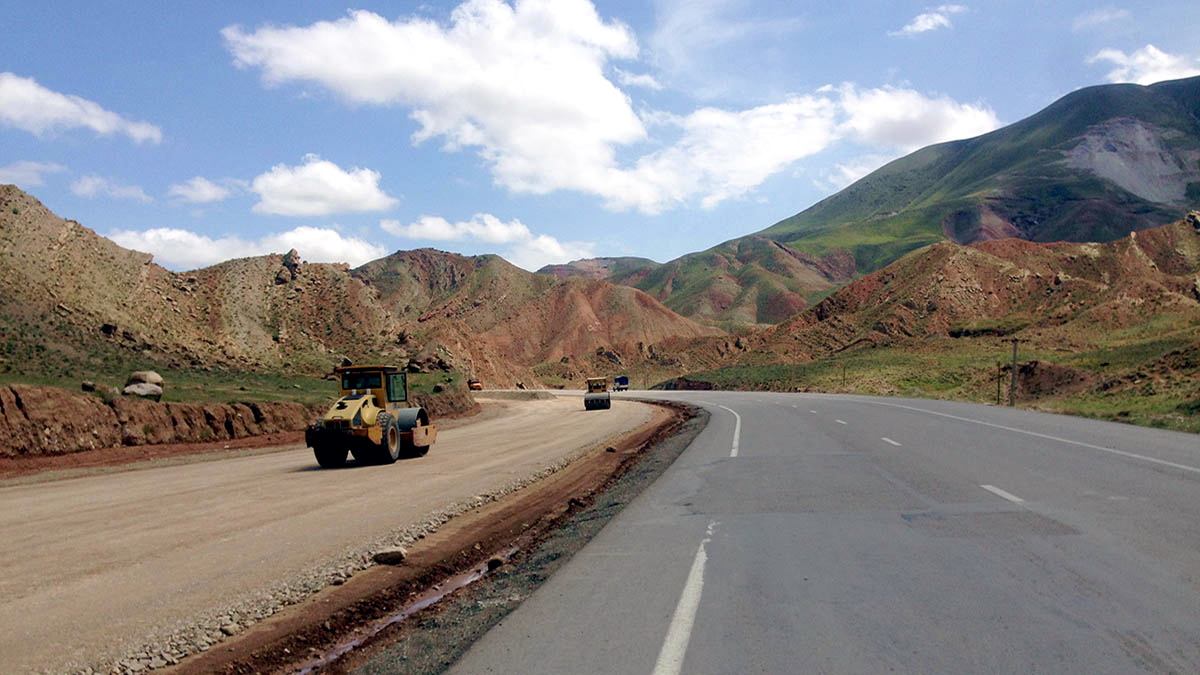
(362, 380)
(397, 386)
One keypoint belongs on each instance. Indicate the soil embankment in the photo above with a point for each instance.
(50, 421)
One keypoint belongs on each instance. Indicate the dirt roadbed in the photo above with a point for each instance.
(128, 570)
(515, 541)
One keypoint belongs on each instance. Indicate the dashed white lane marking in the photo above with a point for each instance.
(885, 439)
(839, 421)
(813, 412)
(670, 657)
(1001, 493)
(1048, 437)
(737, 432)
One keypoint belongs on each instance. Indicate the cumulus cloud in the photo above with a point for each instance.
(1146, 65)
(182, 249)
(907, 120)
(931, 20)
(28, 174)
(525, 249)
(200, 190)
(27, 105)
(723, 154)
(92, 186)
(1098, 18)
(524, 85)
(318, 187)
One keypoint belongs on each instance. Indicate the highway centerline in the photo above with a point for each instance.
(1002, 493)
(737, 431)
(1114, 451)
(670, 657)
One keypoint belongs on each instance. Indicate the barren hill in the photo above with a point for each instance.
(71, 299)
(493, 316)
(743, 283)
(1069, 292)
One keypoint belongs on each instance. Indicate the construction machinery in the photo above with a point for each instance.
(373, 419)
(596, 397)
(474, 384)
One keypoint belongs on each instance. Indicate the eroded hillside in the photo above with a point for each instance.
(75, 300)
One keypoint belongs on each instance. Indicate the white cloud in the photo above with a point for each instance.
(723, 155)
(200, 190)
(1099, 17)
(525, 249)
(483, 227)
(524, 85)
(1146, 65)
(182, 249)
(29, 106)
(28, 174)
(931, 20)
(907, 120)
(318, 188)
(91, 186)
(628, 79)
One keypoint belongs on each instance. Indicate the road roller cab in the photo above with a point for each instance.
(372, 419)
(596, 397)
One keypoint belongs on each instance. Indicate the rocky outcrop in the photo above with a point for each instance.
(49, 421)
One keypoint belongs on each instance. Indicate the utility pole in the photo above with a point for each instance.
(843, 374)
(1012, 387)
(999, 375)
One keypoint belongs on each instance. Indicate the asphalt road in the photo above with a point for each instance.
(93, 565)
(839, 534)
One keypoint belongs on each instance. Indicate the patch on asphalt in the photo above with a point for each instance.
(993, 524)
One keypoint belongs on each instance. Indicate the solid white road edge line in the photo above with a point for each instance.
(1048, 437)
(1001, 493)
(670, 657)
(737, 431)
(885, 439)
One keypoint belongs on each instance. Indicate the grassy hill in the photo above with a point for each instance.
(1095, 165)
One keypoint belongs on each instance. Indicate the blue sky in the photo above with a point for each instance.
(542, 130)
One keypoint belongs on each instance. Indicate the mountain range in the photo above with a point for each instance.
(947, 246)
(1095, 165)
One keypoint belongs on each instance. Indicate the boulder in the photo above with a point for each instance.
(144, 389)
(145, 377)
(390, 556)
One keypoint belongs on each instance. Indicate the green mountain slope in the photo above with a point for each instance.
(1095, 165)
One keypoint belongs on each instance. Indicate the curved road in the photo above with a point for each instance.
(843, 534)
(91, 565)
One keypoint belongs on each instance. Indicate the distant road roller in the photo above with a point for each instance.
(373, 419)
(596, 397)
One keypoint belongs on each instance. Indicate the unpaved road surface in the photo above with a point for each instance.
(92, 566)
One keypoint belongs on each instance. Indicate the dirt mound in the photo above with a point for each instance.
(52, 421)
(1036, 379)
